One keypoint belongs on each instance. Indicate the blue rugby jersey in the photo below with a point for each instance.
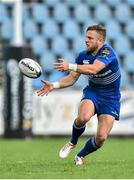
(106, 83)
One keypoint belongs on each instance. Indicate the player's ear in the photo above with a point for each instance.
(100, 40)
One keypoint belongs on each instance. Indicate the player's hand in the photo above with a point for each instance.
(61, 65)
(46, 89)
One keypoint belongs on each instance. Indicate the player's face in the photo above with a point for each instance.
(92, 41)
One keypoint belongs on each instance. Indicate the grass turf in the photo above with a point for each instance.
(39, 159)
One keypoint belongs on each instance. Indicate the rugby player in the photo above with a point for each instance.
(101, 96)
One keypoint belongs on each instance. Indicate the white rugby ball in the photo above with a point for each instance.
(30, 68)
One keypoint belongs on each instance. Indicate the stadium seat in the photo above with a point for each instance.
(122, 45)
(47, 60)
(70, 56)
(73, 3)
(79, 44)
(61, 13)
(59, 45)
(113, 29)
(113, 3)
(123, 13)
(40, 12)
(7, 30)
(39, 45)
(81, 12)
(3, 13)
(93, 3)
(102, 13)
(128, 63)
(56, 76)
(129, 29)
(51, 3)
(30, 29)
(25, 12)
(71, 29)
(130, 3)
(50, 29)
(88, 23)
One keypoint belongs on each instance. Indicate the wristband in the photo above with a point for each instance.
(56, 85)
(73, 67)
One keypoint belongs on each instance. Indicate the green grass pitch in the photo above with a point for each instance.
(38, 158)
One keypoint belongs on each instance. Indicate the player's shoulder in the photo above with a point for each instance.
(107, 50)
(82, 55)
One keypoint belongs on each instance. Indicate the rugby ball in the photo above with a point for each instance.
(30, 68)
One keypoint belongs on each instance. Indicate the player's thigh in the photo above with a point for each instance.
(86, 110)
(105, 124)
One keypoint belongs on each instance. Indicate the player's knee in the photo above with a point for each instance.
(101, 137)
(84, 118)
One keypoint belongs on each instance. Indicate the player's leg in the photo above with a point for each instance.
(85, 112)
(105, 124)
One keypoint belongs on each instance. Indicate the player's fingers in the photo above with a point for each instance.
(57, 64)
(58, 68)
(39, 91)
(47, 93)
(42, 93)
(60, 60)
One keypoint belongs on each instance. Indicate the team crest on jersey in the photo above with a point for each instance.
(86, 61)
(105, 52)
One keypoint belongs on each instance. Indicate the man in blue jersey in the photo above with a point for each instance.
(101, 96)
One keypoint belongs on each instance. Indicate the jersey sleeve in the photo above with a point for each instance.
(106, 56)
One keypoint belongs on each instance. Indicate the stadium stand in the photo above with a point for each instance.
(40, 13)
(113, 32)
(29, 29)
(50, 24)
(7, 30)
(71, 29)
(122, 45)
(61, 13)
(47, 60)
(81, 8)
(39, 45)
(122, 13)
(102, 13)
(3, 13)
(56, 29)
(129, 28)
(113, 3)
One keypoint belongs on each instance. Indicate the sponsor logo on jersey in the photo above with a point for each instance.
(101, 75)
(105, 52)
(86, 61)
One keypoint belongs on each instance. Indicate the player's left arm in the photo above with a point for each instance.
(94, 68)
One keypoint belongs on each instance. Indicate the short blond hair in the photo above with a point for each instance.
(100, 29)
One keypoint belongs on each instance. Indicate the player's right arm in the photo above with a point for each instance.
(63, 83)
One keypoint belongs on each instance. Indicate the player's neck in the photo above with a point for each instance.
(96, 51)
